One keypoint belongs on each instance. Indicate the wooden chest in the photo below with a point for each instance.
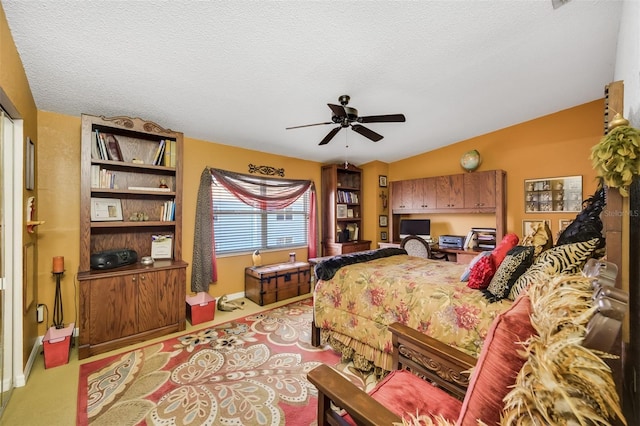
(272, 283)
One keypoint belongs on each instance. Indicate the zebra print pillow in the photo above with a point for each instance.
(560, 260)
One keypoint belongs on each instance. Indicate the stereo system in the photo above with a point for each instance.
(451, 241)
(110, 259)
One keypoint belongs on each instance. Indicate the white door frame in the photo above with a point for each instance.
(13, 159)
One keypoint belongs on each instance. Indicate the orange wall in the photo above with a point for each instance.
(551, 146)
(16, 92)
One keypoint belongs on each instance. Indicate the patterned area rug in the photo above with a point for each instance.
(250, 371)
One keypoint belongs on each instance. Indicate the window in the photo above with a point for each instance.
(240, 228)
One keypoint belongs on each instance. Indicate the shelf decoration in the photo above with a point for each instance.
(616, 157)
(470, 160)
(266, 170)
(31, 213)
(560, 194)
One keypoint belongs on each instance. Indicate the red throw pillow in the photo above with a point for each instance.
(481, 273)
(498, 365)
(508, 242)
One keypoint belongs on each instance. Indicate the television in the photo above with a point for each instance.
(419, 227)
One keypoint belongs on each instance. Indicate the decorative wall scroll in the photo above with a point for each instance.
(266, 170)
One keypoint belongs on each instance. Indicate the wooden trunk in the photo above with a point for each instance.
(272, 283)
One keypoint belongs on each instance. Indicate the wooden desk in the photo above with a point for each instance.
(463, 257)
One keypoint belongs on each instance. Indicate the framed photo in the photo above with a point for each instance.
(382, 181)
(527, 225)
(562, 225)
(341, 211)
(383, 236)
(349, 213)
(382, 220)
(30, 160)
(105, 209)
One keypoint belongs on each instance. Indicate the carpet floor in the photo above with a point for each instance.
(249, 371)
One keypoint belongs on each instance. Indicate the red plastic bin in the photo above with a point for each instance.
(201, 308)
(57, 346)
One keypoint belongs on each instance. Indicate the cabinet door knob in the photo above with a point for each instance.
(143, 277)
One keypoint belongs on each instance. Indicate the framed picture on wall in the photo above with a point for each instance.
(383, 236)
(30, 160)
(382, 181)
(382, 220)
(528, 225)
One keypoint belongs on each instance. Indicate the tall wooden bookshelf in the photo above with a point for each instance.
(342, 210)
(130, 192)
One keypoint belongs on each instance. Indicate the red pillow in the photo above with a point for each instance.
(481, 273)
(508, 242)
(498, 365)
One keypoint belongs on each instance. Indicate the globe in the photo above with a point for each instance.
(470, 160)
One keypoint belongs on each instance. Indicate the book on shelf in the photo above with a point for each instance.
(102, 178)
(166, 160)
(159, 156)
(149, 188)
(174, 148)
(95, 149)
(102, 148)
(168, 211)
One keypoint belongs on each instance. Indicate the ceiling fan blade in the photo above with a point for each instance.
(338, 110)
(309, 125)
(389, 118)
(330, 136)
(367, 133)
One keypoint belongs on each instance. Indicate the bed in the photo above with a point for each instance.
(357, 297)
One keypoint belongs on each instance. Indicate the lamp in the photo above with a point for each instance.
(58, 314)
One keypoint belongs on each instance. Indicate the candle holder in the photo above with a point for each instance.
(58, 312)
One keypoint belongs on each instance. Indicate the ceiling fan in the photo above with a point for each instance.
(346, 116)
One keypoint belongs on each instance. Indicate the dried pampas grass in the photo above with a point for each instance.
(562, 382)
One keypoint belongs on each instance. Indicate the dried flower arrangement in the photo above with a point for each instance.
(616, 158)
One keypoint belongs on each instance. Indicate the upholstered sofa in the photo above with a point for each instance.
(538, 365)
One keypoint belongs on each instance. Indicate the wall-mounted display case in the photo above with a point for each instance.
(561, 194)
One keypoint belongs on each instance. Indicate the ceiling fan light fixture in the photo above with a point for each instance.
(345, 116)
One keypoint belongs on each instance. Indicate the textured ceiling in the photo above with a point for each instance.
(240, 72)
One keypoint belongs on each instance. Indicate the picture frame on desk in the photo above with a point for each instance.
(341, 211)
(105, 209)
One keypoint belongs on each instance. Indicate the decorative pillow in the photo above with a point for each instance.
(481, 273)
(508, 242)
(467, 271)
(500, 361)
(516, 262)
(540, 237)
(560, 260)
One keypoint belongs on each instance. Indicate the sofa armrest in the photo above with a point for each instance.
(445, 366)
(332, 387)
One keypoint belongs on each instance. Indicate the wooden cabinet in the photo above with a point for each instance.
(402, 196)
(450, 192)
(477, 192)
(413, 196)
(341, 210)
(130, 305)
(130, 191)
(480, 190)
(426, 195)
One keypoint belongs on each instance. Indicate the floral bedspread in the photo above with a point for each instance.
(356, 305)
